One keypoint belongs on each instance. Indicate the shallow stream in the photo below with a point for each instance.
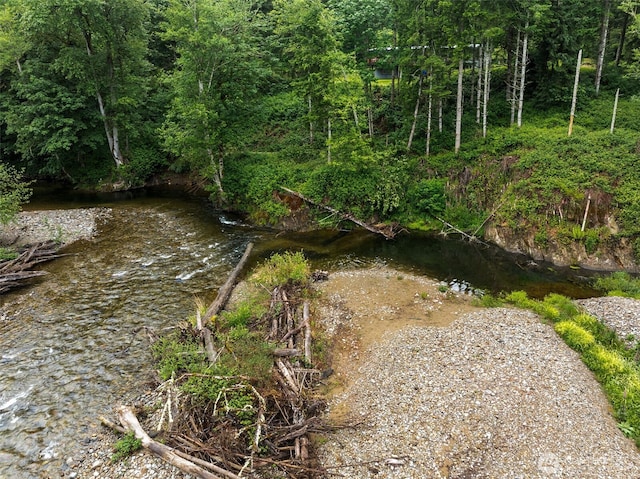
(76, 343)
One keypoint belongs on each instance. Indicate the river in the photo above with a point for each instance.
(76, 343)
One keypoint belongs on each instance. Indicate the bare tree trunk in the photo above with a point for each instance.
(415, 113)
(512, 90)
(487, 87)
(429, 115)
(370, 121)
(440, 114)
(479, 87)
(604, 31)
(615, 110)
(523, 73)
(459, 105)
(623, 34)
(575, 92)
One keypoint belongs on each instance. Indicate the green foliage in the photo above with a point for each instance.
(428, 196)
(177, 355)
(619, 283)
(281, 269)
(7, 254)
(575, 336)
(125, 447)
(13, 193)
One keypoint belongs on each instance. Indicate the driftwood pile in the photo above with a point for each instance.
(18, 271)
(200, 440)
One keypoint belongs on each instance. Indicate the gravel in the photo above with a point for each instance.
(63, 226)
(436, 388)
(620, 314)
(494, 394)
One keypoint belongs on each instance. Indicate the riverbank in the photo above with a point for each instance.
(439, 388)
(62, 226)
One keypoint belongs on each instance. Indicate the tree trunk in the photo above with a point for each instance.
(523, 73)
(227, 287)
(440, 114)
(623, 34)
(512, 89)
(415, 114)
(429, 115)
(479, 87)
(615, 110)
(604, 31)
(575, 92)
(459, 105)
(130, 422)
(487, 87)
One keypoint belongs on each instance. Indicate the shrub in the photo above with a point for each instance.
(619, 283)
(576, 337)
(281, 269)
(125, 447)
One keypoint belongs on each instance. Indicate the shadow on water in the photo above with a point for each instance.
(73, 345)
(450, 260)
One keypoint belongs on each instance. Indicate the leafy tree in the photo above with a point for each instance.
(79, 50)
(13, 192)
(219, 69)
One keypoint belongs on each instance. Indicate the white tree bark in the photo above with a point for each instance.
(523, 73)
(429, 115)
(512, 90)
(575, 92)
(479, 87)
(604, 32)
(459, 105)
(416, 110)
(487, 87)
(615, 111)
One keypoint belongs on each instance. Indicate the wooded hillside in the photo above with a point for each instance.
(388, 110)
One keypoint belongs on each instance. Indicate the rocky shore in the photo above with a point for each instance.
(61, 226)
(441, 389)
(438, 388)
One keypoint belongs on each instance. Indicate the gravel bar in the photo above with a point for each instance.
(497, 394)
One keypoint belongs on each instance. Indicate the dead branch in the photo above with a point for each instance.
(388, 232)
(130, 422)
(227, 288)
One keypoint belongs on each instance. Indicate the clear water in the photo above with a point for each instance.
(74, 344)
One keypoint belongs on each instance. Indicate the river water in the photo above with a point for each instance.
(76, 343)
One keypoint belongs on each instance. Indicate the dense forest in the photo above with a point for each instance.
(515, 114)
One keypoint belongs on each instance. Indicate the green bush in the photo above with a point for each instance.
(281, 269)
(576, 337)
(125, 447)
(619, 283)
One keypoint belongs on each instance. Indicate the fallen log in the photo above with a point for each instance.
(388, 233)
(227, 287)
(17, 271)
(130, 422)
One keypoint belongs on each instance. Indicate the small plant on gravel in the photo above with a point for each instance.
(125, 447)
(443, 288)
(7, 254)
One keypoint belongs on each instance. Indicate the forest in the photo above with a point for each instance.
(521, 114)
